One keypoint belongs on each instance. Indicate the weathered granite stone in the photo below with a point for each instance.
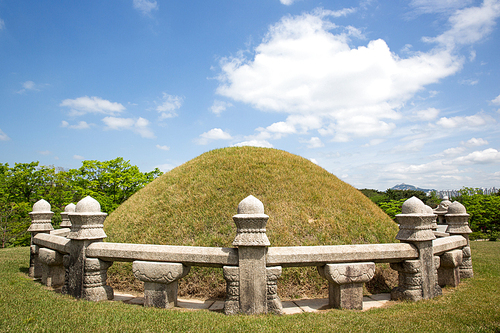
(52, 267)
(161, 281)
(415, 228)
(458, 224)
(40, 223)
(345, 282)
(429, 211)
(232, 302)
(442, 210)
(65, 222)
(232, 276)
(449, 269)
(252, 242)
(94, 281)
(437, 288)
(86, 277)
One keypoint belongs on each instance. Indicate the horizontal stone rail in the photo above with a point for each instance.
(188, 255)
(60, 232)
(294, 256)
(445, 244)
(58, 243)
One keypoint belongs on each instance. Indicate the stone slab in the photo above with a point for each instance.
(312, 305)
(289, 307)
(380, 297)
(217, 306)
(136, 301)
(194, 304)
(123, 297)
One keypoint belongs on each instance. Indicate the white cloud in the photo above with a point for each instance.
(29, 86)
(302, 68)
(44, 152)
(81, 125)
(469, 25)
(165, 167)
(287, 2)
(163, 147)
(426, 115)
(78, 157)
(169, 106)
(83, 105)
(219, 106)
(314, 161)
(469, 82)
(254, 143)
(314, 142)
(476, 142)
(438, 6)
(213, 134)
(2, 24)
(486, 156)
(3, 136)
(496, 101)
(139, 126)
(145, 6)
(476, 120)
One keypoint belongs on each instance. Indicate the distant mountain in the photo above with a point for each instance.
(404, 186)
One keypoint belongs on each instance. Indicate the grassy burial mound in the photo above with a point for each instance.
(193, 204)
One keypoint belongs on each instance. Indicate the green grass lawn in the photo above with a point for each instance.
(27, 306)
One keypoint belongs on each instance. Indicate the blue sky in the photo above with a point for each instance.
(376, 92)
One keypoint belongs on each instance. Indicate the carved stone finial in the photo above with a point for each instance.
(415, 222)
(65, 222)
(87, 222)
(251, 223)
(41, 217)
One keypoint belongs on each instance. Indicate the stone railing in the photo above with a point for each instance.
(77, 259)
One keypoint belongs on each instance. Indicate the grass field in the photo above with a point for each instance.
(27, 306)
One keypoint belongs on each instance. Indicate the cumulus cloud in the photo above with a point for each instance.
(163, 147)
(486, 156)
(145, 6)
(469, 25)
(169, 106)
(83, 105)
(476, 142)
(213, 134)
(219, 106)
(476, 120)
(305, 66)
(254, 143)
(81, 125)
(3, 136)
(287, 2)
(139, 125)
(44, 152)
(314, 142)
(2, 24)
(438, 6)
(426, 115)
(165, 167)
(78, 157)
(496, 101)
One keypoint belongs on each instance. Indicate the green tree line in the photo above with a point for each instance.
(109, 182)
(484, 209)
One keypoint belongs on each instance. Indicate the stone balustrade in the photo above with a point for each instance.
(77, 258)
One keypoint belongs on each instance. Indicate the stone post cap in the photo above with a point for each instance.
(458, 219)
(415, 222)
(348, 273)
(443, 205)
(159, 272)
(87, 221)
(41, 217)
(65, 222)
(251, 223)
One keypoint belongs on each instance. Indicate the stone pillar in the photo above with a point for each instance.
(415, 228)
(345, 283)
(442, 210)
(86, 278)
(428, 210)
(161, 281)
(40, 223)
(65, 222)
(273, 301)
(458, 224)
(449, 271)
(252, 242)
(52, 267)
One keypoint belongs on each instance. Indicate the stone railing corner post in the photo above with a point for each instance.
(41, 217)
(87, 276)
(65, 221)
(251, 287)
(458, 224)
(417, 278)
